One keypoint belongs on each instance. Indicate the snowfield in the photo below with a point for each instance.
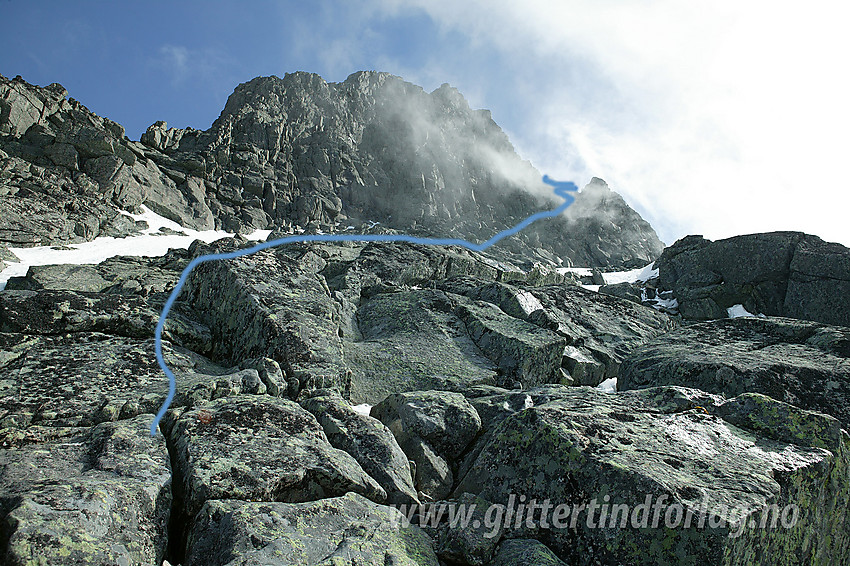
(150, 243)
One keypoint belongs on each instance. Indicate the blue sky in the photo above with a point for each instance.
(716, 118)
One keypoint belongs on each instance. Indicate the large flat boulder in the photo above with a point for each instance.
(708, 474)
(799, 362)
(343, 530)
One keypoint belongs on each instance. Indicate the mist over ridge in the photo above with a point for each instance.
(377, 148)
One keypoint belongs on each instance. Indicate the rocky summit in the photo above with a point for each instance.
(378, 403)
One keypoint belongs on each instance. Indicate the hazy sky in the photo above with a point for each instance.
(714, 118)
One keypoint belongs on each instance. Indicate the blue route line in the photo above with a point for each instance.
(562, 189)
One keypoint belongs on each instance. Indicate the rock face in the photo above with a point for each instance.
(595, 451)
(779, 273)
(298, 152)
(362, 318)
(802, 363)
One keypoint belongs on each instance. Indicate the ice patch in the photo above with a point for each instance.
(151, 243)
(609, 385)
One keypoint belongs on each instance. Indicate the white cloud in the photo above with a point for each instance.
(720, 118)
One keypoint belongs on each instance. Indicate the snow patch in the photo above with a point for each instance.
(641, 275)
(151, 243)
(363, 408)
(738, 311)
(609, 385)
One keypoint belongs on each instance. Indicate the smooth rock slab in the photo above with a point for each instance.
(344, 530)
(803, 363)
(680, 444)
(86, 496)
(261, 448)
(412, 340)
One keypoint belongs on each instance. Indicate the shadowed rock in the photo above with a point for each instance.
(369, 441)
(777, 273)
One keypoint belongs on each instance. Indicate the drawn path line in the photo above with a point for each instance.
(562, 189)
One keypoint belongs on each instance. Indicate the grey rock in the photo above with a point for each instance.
(444, 419)
(99, 495)
(85, 378)
(144, 276)
(530, 353)
(343, 530)
(433, 475)
(628, 291)
(433, 428)
(84, 278)
(260, 448)
(472, 541)
(596, 330)
(520, 552)
(799, 362)
(369, 441)
(819, 283)
(586, 445)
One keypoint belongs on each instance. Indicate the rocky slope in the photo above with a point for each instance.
(340, 403)
(479, 380)
(298, 153)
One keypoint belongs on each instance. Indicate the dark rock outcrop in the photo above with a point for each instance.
(802, 363)
(369, 441)
(777, 274)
